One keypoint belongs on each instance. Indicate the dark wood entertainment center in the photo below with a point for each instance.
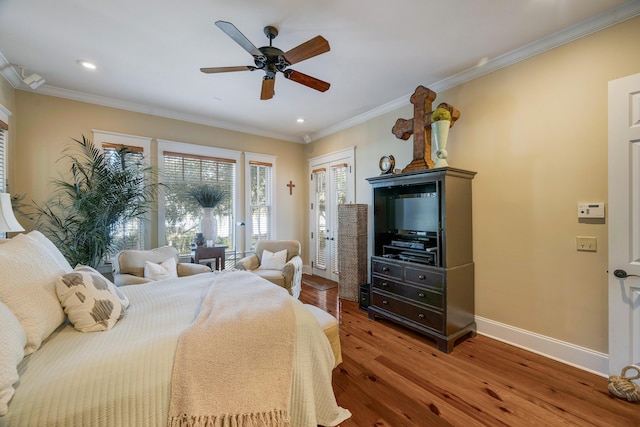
(422, 271)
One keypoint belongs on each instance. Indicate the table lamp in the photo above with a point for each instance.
(8, 221)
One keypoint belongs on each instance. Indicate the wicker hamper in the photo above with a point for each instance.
(352, 250)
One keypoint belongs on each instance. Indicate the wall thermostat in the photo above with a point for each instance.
(590, 210)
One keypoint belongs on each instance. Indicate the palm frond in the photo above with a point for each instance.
(99, 192)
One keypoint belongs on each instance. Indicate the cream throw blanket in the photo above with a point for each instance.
(234, 364)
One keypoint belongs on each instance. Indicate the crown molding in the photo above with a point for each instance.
(607, 19)
(162, 112)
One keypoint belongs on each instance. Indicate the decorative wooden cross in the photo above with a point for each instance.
(420, 127)
(291, 185)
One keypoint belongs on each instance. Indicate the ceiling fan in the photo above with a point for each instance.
(271, 60)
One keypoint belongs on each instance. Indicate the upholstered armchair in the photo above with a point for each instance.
(128, 265)
(289, 275)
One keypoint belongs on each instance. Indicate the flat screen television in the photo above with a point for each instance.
(416, 212)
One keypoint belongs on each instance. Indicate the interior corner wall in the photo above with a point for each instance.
(46, 124)
(536, 134)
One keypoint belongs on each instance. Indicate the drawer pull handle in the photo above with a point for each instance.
(385, 268)
(385, 302)
(421, 277)
(385, 284)
(421, 295)
(421, 316)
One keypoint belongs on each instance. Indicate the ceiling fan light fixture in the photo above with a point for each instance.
(272, 60)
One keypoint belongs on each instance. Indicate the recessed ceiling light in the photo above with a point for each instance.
(86, 64)
(300, 120)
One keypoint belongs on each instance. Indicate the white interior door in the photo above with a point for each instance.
(331, 184)
(624, 223)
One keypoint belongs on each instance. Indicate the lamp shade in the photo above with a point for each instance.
(8, 221)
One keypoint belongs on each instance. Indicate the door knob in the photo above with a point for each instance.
(621, 274)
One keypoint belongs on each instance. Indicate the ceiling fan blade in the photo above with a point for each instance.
(306, 50)
(230, 30)
(211, 70)
(268, 88)
(306, 80)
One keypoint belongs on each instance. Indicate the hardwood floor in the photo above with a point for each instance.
(391, 376)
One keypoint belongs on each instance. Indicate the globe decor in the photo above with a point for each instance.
(208, 197)
(440, 124)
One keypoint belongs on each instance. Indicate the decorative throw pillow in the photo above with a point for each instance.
(30, 264)
(91, 301)
(167, 269)
(273, 261)
(13, 340)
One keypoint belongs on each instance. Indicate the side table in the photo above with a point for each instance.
(216, 253)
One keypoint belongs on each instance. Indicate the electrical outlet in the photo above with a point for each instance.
(589, 244)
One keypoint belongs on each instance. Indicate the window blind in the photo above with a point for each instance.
(261, 188)
(183, 172)
(127, 234)
(3, 156)
(3, 161)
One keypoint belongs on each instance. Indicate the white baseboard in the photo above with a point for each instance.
(579, 357)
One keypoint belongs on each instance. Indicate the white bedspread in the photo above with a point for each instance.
(121, 377)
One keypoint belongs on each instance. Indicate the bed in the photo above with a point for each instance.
(125, 375)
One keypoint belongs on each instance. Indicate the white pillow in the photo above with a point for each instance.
(30, 264)
(271, 261)
(91, 301)
(167, 269)
(13, 340)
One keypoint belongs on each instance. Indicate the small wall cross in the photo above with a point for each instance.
(291, 185)
(420, 127)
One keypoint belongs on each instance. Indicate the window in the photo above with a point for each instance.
(133, 234)
(3, 157)
(183, 167)
(259, 178)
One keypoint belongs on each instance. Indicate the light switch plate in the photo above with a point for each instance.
(584, 243)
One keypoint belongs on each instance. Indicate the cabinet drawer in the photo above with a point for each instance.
(419, 295)
(423, 277)
(386, 268)
(420, 315)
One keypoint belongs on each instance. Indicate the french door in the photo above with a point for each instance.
(332, 183)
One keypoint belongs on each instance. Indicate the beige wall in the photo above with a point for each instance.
(536, 133)
(45, 126)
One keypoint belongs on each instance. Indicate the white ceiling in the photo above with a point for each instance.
(149, 52)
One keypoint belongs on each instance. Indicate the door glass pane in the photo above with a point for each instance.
(339, 197)
(320, 180)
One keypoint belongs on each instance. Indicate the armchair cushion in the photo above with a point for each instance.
(128, 265)
(273, 261)
(167, 269)
(289, 276)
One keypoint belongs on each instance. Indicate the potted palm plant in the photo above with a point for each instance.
(100, 192)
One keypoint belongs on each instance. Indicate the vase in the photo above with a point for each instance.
(439, 135)
(209, 225)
